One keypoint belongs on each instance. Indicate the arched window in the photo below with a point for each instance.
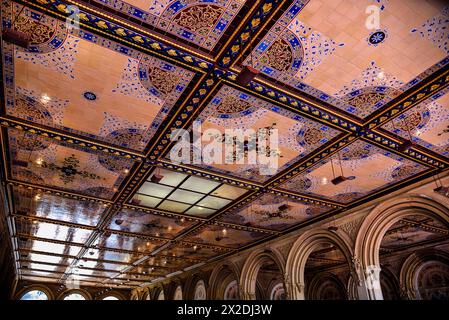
(110, 298)
(178, 293)
(74, 296)
(200, 291)
(34, 295)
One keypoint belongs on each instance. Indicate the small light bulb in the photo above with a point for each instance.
(45, 98)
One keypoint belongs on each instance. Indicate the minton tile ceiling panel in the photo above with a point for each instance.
(147, 269)
(326, 49)
(52, 231)
(43, 247)
(42, 267)
(88, 85)
(43, 258)
(367, 168)
(273, 212)
(122, 242)
(170, 262)
(44, 205)
(325, 255)
(233, 109)
(112, 256)
(200, 22)
(426, 124)
(88, 263)
(194, 251)
(224, 237)
(184, 194)
(140, 222)
(411, 230)
(42, 161)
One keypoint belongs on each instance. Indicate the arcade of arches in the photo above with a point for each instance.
(394, 248)
(224, 149)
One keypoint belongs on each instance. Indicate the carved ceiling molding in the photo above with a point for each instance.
(70, 139)
(352, 227)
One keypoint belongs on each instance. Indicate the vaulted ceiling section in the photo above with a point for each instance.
(86, 116)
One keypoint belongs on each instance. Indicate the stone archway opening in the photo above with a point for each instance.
(325, 273)
(270, 282)
(392, 241)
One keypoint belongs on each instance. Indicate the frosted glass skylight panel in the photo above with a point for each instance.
(199, 185)
(229, 192)
(155, 190)
(147, 200)
(37, 257)
(213, 202)
(171, 178)
(54, 248)
(186, 196)
(46, 267)
(173, 206)
(199, 211)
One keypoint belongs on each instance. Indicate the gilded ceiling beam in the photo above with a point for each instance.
(111, 28)
(208, 174)
(69, 138)
(416, 153)
(410, 98)
(57, 192)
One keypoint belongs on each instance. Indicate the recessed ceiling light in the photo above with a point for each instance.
(45, 98)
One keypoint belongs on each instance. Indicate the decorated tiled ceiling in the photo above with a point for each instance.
(87, 114)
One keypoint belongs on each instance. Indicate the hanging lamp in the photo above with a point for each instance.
(408, 143)
(341, 178)
(157, 177)
(16, 37)
(248, 73)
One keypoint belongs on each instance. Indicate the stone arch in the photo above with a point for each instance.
(172, 287)
(146, 294)
(190, 286)
(250, 270)
(157, 291)
(314, 289)
(389, 281)
(33, 287)
(115, 294)
(135, 295)
(221, 276)
(299, 253)
(377, 223)
(411, 268)
(80, 291)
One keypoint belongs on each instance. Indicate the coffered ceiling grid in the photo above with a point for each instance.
(211, 74)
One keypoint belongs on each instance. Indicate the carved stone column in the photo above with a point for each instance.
(360, 280)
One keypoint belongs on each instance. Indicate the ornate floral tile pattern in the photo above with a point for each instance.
(367, 168)
(55, 164)
(233, 109)
(201, 22)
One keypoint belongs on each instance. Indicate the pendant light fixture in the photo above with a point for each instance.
(408, 143)
(157, 177)
(248, 73)
(16, 37)
(341, 178)
(440, 189)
